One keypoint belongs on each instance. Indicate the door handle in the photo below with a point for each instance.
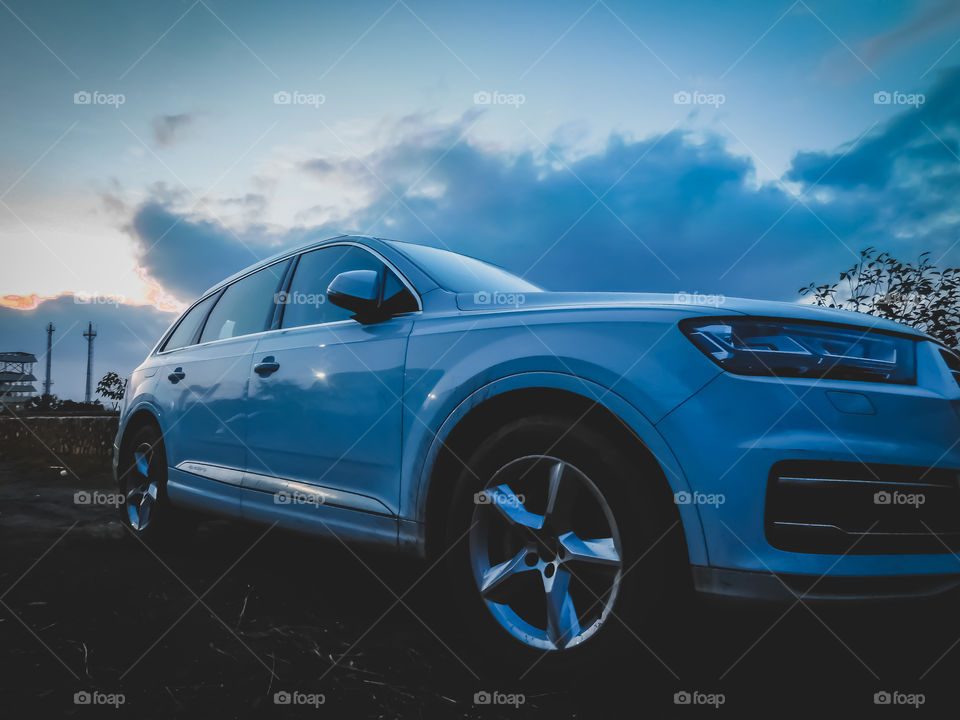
(266, 366)
(176, 376)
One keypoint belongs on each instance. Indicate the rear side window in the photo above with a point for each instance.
(187, 328)
(246, 306)
(306, 303)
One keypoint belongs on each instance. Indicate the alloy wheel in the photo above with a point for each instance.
(545, 552)
(142, 488)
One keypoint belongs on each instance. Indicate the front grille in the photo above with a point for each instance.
(862, 509)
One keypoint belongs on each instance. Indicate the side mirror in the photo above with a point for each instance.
(357, 291)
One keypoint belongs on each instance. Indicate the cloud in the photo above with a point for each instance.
(167, 128)
(910, 139)
(187, 255)
(929, 21)
(675, 211)
(907, 172)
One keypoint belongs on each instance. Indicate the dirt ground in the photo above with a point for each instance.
(84, 607)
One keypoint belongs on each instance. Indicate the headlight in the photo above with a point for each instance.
(788, 348)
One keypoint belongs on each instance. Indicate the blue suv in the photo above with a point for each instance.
(571, 457)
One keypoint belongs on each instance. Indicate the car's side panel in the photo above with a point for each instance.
(593, 392)
(187, 489)
(330, 415)
(205, 417)
(599, 354)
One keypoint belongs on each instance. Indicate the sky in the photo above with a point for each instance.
(147, 150)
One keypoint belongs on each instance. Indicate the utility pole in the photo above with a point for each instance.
(48, 382)
(90, 334)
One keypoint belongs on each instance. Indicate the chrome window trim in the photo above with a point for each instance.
(379, 256)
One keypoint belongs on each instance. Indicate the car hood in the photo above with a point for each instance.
(708, 304)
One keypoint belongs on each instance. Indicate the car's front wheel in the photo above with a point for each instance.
(557, 545)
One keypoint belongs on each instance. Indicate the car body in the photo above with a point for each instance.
(341, 428)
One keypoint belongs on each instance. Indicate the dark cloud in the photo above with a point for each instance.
(676, 213)
(186, 255)
(666, 213)
(906, 173)
(909, 142)
(167, 128)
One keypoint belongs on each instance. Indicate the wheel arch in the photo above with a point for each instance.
(526, 394)
(139, 418)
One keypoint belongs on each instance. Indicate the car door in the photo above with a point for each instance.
(325, 414)
(204, 388)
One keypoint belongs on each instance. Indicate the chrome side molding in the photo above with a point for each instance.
(295, 491)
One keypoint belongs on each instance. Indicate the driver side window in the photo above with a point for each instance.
(306, 303)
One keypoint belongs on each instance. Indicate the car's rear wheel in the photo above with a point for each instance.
(558, 545)
(143, 481)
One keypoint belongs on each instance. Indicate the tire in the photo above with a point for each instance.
(147, 510)
(613, 586)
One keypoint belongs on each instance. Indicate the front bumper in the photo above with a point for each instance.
(731, 435)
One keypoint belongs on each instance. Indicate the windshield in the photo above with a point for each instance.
(459, 273)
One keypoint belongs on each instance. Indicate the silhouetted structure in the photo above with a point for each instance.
(47, 382)
(16, 376)
(90, 334)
